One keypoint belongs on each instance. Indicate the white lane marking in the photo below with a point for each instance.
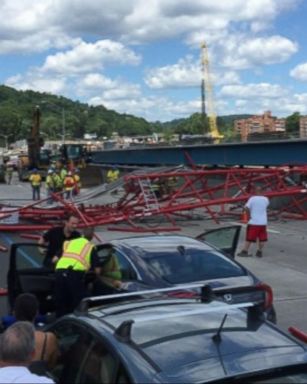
(244, 225)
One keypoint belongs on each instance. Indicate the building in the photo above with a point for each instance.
(303, 126)
(259, 124)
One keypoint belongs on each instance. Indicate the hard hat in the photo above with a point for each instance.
(34, 170)
(50, 171)
(69, 173)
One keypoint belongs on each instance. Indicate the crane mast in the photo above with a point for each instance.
(206, 92)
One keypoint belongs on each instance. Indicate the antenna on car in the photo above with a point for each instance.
(217, 337)
(123, 331)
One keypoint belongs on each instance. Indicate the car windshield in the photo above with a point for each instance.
(189, 265)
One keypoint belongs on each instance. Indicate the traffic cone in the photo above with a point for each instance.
(244, 217)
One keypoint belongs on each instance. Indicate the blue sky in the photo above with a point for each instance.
(143, 56)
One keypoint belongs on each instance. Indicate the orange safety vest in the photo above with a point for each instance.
(76, 254)
(69, 183)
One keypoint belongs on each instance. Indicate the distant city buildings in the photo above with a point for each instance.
(260, 124)
(303, 126)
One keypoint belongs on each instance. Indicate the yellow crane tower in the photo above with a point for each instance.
(206, 92)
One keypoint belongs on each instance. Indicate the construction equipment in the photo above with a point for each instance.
(32, 159)
(69, 154)
(206, 90)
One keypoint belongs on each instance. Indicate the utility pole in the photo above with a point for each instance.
(63, 126)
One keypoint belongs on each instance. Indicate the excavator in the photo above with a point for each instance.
(41, 159)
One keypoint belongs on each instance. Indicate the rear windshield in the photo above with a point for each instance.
(295, 374)
(192, 265)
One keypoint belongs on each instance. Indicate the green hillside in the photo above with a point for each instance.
(16, 111)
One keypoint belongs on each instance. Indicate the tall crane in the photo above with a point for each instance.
(206, 92)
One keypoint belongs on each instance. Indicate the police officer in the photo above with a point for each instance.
(70, 272)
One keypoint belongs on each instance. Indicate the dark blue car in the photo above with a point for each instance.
(155, 261)
(167, 340)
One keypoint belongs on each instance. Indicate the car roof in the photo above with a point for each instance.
(156, 243)
(177, 336)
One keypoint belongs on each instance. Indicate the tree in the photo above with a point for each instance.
(293, 124)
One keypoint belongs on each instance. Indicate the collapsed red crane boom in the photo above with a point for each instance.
(216, 193)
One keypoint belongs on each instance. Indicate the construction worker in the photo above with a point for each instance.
(50, 185)
(69, 185)
(58, 185)
(76, 176)
(9, 169)
(61, 171)
(156, 187)
(108, 271)
(113, 174)
(70, 271)
(35, 180)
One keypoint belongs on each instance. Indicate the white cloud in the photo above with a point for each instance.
(101, 88)
(251, 91)
(147, 107)
(130, 21)
(242, 53)
(37, 83)
(86, 57)
(185, 73)
(97, 81)
(300, 72)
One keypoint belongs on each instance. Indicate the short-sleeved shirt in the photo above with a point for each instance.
(55, 238)
(19, 374)
(257, 206)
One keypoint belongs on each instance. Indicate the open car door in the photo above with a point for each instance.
(226, 238)
(27, 274)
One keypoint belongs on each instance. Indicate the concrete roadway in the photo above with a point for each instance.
(283, 266)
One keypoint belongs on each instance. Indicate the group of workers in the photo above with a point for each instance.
(58, 179)
(74, 258)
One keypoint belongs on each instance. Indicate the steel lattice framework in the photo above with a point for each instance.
(168, 195)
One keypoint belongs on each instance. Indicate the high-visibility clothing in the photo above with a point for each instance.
(112, 175)
(69, 183)
(63, 173)
(35, 179)
(50, 182)
(76, 255)
(77, 180)
(111, 271)
(57, 181)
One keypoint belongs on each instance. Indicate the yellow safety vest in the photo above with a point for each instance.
(76, 254)
(77, 180)
(35, 179)
(111, 271)
(50, 181)
(63, 174)
(112, 175)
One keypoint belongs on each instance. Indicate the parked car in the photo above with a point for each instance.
(155, 261)
(167, 340)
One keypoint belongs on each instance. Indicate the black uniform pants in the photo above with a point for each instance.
(69, 290)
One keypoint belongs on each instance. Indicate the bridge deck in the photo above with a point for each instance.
(290, 152)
